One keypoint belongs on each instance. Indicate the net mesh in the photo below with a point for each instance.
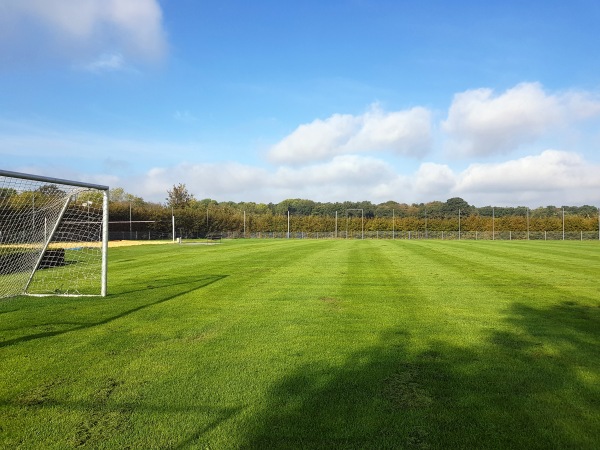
(50, 238)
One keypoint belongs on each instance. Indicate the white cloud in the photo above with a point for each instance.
(549, 178)
(402, 132)
(433, 179)
(551, 173)
(80, 30)
(344, 177)
(108, 62)
(480, 123)
(346, 170)
(223, 179)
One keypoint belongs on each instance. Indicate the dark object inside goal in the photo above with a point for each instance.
(53, 258)
(19, 260)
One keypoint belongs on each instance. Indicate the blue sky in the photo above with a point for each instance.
(412, 101)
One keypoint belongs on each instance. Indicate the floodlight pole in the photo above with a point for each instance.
(173, 222)
(336, 234)
(493, 225)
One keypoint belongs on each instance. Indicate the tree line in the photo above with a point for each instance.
(200, 217)
(128, 212)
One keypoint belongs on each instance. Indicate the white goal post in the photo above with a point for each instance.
(53, 236)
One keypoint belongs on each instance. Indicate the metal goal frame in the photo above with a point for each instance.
(49, 237)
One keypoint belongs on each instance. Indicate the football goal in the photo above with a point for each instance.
(53, 236)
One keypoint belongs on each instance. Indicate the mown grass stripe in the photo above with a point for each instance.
(321, 344)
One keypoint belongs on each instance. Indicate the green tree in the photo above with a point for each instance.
(179, 197)
(118, 194)
(454, 204)
(50, 190)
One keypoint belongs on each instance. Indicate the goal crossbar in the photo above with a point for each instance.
(50, 180)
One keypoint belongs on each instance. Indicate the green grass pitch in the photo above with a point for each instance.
(313, 344)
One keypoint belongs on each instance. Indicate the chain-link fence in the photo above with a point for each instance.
(441, 235)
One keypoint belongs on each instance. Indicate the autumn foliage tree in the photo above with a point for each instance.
(179, 197)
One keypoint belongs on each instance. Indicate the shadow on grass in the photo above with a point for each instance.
(101, 420)
(181, 288)
(533, 383)
(530, 383)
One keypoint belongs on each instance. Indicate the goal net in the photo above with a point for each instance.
(53, 236)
